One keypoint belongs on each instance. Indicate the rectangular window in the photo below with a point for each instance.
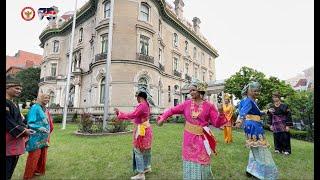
(104, 44)
(187, 68)
(186, 49)
(210, 77)
(203, 75)
(196, 73)
(55, 46)
(53, 69)
(106, 10)
(144, 13)
(194, 53)
(175, 40)
(80, 34)
(160, 55)
(144, 45)
(202, 58)
(175, 64)
(160, 28)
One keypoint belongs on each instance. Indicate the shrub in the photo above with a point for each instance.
(179, 119)
(301, 135)
(86, 123)
(57, 119)
(114, 125)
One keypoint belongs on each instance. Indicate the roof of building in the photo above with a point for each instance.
(301, 82)
(23, 59)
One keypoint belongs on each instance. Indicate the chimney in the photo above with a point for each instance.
(196, 21)
(179, 4)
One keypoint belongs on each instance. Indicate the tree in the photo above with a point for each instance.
(29, 78)
(236, 82)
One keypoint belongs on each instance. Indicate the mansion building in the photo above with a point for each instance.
(153, 46)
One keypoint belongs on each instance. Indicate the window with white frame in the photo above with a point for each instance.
(53, 69)
(202, 58)
(196, 73)
(80, 34)
(104, 44)
(144, 45)
(186, 48)
(187, 68)
(144, 12)
(55, 46)
(106, 9)
(52, 98)
(175, 40)
(194, 53)
(102, 90)
(160, 28)
(160, 55)
(175, 63)
(203, 75)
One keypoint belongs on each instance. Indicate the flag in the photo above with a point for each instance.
(49, 13)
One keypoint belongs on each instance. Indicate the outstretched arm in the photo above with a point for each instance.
(137, 112)
(171, 111)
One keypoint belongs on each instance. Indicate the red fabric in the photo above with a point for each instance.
(36, 163)
(15, 146)
(212, 141)
(50, 120)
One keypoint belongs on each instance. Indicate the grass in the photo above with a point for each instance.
(110, 157)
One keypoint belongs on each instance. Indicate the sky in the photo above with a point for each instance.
(274, 37)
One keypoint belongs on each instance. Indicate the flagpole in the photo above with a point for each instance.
(108, 62)
(65, 110)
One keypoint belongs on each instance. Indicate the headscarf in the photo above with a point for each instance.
(251, 85)
(200, 86)
(149, 97)
(11, 81)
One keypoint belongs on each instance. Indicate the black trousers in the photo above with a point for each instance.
(11, 162)
(282, 141)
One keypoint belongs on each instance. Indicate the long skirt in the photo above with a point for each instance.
(261, 164)
(282, 142)
(36, 163)
(227, 134)
(141, 160)
(194, 171)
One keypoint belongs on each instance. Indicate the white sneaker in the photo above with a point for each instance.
(138, 177)
(286, 153)
(148, 170)
(277, 151)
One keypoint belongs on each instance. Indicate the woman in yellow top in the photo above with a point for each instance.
(228, 111)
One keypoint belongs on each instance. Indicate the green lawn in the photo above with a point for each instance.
(110, 157)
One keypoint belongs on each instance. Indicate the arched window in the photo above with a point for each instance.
(52, 98)
(143, 83)
(175, 40)
(55, 46)
(102, 90)
(80, 34)
(144, 12)
(106, 9)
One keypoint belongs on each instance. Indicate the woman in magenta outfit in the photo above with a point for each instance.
(198, 140)
(142, 134)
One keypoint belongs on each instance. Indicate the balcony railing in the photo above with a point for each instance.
(144, 57)
(100, 57)
(187, 77)
(48, 78)
(176, 73)
(161, 67)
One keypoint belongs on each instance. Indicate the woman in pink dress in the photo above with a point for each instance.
(198, 141)
(142, 134)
